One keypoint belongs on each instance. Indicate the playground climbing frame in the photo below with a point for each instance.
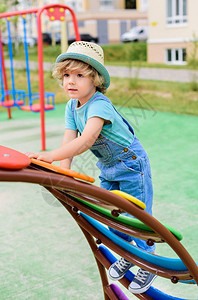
(54, 12)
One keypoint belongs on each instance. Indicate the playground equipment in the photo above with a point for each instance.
(5, 93)
(19, 97)
(32, 97)
(22, 99)
(93, 208)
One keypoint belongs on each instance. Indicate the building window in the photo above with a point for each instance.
(176, 56)
(176, 11)
(130, 4)
(106, 4)
(144, 5)
(76, 5)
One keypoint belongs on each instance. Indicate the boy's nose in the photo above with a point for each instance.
(71, 79)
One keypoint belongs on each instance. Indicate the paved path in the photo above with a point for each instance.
(141, 73)
(154, 73)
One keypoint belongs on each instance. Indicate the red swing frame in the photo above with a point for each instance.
(54, 12)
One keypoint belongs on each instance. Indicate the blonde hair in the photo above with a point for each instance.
(71, 64)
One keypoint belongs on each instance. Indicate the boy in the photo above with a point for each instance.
(123, 162)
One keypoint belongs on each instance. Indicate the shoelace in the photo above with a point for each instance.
(141, 275)
(122, 264)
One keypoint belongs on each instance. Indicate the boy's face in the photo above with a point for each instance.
(78, 86)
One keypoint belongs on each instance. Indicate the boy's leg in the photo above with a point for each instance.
(118, 269)
(108, 185)
(140, 188)
(139, 185)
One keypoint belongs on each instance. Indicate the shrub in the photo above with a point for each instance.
(126, 52)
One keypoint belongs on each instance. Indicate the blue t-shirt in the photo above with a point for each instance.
(116, 131)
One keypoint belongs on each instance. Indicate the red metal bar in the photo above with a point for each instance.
(35, 10)
(41, 80)
(40, 64)
(16, 13)
(5, 15)
(5, 77)
(39, 12)
(78, 38)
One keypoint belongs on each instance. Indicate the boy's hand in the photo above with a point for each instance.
(45, 156)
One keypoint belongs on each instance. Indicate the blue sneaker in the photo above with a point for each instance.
(119, 268)
(141, 282)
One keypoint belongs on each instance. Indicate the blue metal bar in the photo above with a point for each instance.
(27, 61)
(11, 60)
(1, 73)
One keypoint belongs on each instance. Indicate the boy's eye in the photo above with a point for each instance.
(80, 75)
(66, 75)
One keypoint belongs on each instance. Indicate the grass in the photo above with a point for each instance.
(154, 95)
(49, 53)
(128, 54)
(149, 94)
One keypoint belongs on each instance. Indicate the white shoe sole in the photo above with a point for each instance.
(118, 278)
(142, 290)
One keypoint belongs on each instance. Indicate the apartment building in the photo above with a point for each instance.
(105, 19)
(173, 31)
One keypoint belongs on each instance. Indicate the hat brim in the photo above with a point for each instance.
(90, 61)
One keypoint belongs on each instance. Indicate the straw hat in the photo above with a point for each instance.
(89, 53)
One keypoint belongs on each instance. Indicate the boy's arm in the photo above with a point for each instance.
(76, 146)
(69, 135)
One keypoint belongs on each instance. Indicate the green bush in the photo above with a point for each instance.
(127, 52)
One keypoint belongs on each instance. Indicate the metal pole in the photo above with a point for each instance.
(4, 77)
(41, 80)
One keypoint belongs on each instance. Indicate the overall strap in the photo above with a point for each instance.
(101, 96)
(73, 108)
(73, 112)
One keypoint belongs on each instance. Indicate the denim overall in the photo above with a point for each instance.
(126, 169)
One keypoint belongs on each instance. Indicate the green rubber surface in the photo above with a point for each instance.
(44, 255)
